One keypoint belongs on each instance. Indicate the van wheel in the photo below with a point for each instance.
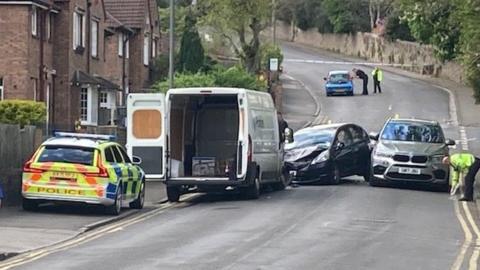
(29, 205)
(173, 194)
(116, 207)
(140, 201)
(252, 192)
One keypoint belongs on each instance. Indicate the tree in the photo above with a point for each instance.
(379, 9)
(347, 16)
(241, 22)
(433, 22)
(192, 55)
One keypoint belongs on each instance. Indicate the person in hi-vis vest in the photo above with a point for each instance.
(377, 75)
(466, 166)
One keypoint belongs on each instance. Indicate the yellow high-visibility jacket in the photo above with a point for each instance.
(379, 74)
(460, 164)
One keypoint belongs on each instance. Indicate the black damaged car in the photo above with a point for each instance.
(327, 153)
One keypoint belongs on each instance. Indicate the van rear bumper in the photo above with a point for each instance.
(206, 182)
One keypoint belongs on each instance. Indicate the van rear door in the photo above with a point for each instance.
(146, 132)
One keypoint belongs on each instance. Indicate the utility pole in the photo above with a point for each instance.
(274, 22)
(171, 45)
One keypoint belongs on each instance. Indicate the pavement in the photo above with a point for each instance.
(23, 231)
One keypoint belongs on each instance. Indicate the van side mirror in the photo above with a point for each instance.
(288, 135)
(374, 136)
(136, 160)
(450, 142)
(325, 78)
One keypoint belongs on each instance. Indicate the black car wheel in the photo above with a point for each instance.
(285, 181)
(335, 180)
(29, 205)
(367, 172)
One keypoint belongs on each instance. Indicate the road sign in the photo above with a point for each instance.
(273, 64)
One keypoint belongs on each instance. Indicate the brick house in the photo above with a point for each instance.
(141, 16)
(72, 54)
(26, 61)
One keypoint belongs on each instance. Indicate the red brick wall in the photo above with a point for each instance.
(113, 62)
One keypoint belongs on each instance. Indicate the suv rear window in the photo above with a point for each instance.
(67, 154)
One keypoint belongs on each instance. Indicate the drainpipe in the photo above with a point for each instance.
(88, 34)
(124, 68)
(41, 67)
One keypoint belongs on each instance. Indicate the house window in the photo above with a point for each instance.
(88, 106)
(94, 38)
(146, 47)
(1, 89)
(123, 38)
(104, 100)
(84, 104)
(78, 30)
(34, 21)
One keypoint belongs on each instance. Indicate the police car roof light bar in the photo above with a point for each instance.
(85, 136)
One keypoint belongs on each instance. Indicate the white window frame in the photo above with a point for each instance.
(91, 116)
(120, 44)
(121, 38)
(94, 38)
(78, 29)
(2, 94)
(34, 22)
(48, 22)
(104, 99)
(146, 50)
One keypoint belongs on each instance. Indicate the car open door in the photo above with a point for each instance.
(146, 133)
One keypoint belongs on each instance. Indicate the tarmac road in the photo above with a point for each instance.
(349, 226)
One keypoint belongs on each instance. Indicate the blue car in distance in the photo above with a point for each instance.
(339, 82)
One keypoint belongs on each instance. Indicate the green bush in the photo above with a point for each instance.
(217, 77)
(183, 80)
(271, 51)
(22, 112)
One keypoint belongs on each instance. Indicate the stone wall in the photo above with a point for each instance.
(411, 56)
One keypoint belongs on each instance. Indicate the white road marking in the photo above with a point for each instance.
(346, 63)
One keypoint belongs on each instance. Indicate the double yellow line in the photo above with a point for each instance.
(89, 236)
(472, 237)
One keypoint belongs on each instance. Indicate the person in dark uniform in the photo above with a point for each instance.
(362, 75)
(282, 125)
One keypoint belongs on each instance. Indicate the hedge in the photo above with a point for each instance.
(22, 112)
(219, 77)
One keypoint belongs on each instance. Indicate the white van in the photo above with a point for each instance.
(214, 139)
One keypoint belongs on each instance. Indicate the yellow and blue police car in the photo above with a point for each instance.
(85, 168)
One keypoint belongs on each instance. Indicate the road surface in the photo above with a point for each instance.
(349, 226)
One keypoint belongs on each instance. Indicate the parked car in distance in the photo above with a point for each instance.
(339, 82)
(83, 168)
(410, 150)
(326, 153)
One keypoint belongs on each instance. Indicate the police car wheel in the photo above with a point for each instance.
(140, 201)
(29, 205)
(116, 207)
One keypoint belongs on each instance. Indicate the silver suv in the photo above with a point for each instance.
(410, 150)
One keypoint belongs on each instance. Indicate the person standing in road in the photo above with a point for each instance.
(377, 75)
(362, 75)
(282, 125)
(463, 165)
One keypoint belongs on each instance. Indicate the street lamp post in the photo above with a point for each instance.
(274, 24)
(171, 45)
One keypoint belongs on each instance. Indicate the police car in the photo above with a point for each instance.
(83, 168)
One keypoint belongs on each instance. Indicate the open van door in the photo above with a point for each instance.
(146, 133)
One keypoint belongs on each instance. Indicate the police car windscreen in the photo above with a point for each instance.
(67, 154)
